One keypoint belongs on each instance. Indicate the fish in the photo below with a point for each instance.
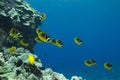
(31, 59)
(12, 49)
(78, 41)
(107, 65)
(24, 43)
(93, 62)
(38, 40)
(90, 62)
(53, 41)
(43, 16)
(59, 43)
(43, 37)
(38, 30)
(14, 33)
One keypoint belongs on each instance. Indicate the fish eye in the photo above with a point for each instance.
(48, 39)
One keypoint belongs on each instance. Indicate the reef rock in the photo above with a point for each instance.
(18, 23)
(18, 14)
(15, 66)
(76, 78)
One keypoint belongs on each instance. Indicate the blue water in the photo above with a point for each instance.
(96, 22)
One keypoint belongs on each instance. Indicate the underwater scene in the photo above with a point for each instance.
(59, 40)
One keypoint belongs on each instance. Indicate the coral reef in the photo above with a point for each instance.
(76, 78)
(18, 24)
(15, 66)
(18, 14)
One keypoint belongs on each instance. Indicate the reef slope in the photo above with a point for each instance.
(18, 24)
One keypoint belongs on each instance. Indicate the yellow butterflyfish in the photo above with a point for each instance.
(31, 59)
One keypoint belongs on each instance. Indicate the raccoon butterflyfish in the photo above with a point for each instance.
(31, 59)
(38, 40)
(88, 63)
(38, 30)
(53, 41)
(23, 42)
(78, 41)
(44, 37)
(15, 33)
(59, 43)
(12, 49)
(107, 66)
(43, 16)
(93, 61)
